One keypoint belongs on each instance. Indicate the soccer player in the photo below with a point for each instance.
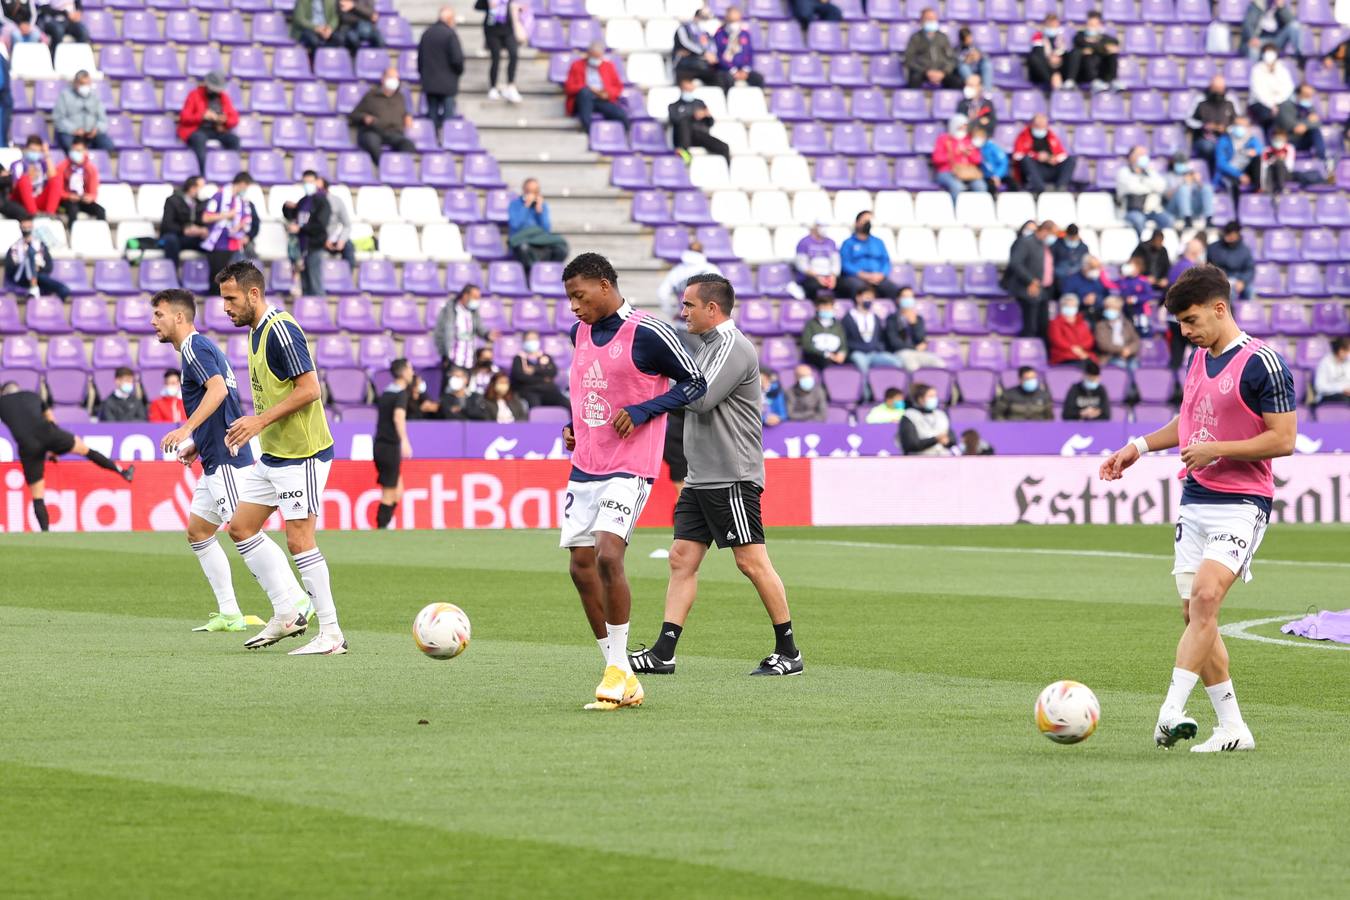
(723, 440)
(37, 434)
(297, 452)
(391, 440)
(620, 392)
(211, 400)
(1237, 414)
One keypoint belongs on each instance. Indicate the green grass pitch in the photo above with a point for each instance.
(140, 760)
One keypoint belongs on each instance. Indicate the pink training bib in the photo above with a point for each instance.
(603, 380)
(1212, 409)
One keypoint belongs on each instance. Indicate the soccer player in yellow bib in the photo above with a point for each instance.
(297, 452)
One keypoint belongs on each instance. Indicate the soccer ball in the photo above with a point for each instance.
(441, 631)
(1067, 712)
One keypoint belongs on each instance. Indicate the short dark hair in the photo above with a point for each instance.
(858, 217)
(123, 370)
(1023, 370)
(1197, 286)
(464, 291)
(190, 181)
(78, 140)
(917, 391)
(309, 173)
(892, 393)
(243, 273)
(241, 178)
(34, 139)
(713, 288)
(179, 299)
(1233, 227)
(591, 267)
(1091, 368)
(864, 289)
(173, 373)
(1339, 344)
(398, 366)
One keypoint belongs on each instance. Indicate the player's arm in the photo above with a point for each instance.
(216, 392)
(657, 350)
(401, 426)
(723, 376)
(1165, 438)
(288, 358)
(304, 391)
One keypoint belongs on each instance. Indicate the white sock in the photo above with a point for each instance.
(1225, 704)
(1183, 682)
(604, 648)
(268, 564)
(217, 568)
(618, 647)
(314, 573)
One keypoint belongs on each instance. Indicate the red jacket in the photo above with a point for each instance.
(951, 151)
(1022, 146)
(167, 409)
(90, 178)
(1064, 335)
(576, 83)
(194, 108)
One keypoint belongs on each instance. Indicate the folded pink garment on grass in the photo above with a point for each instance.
(1322, 626)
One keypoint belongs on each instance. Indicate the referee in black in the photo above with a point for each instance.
(724, 447)
(38, 435)
(391, 440)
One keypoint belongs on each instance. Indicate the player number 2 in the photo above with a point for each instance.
(567, 505)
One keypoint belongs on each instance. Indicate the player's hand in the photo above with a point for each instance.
(244, 429)
(1118, 462)
(623, 423)
(174, 438)
(1197, 456)
(406, 449)
(188, 457)
(569, 438)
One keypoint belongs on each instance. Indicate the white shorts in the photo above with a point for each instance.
(296, 491)
(217, 494)
(1227, 533)
(612, 505)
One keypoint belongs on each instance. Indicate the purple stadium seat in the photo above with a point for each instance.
(333, 64)
(176, 167)
(310, 98)
(789, 106)
(376, 352)
(824, 37)
(398, 169)
(1154, 385)
(355, 168)
(982, 280)
(118, 61)
(507, 278)
(757, 317)
(1332, 210)
(196, 275)
(480, 170)
(1257, 210)
(780, 353)
(629, 173)
(1253, 317)
(912, 174)
(1059, 379)
(439, 170)
(1027, 352)
(1140, 40)
(850, 139)
(21, 351)
(160, 61)
(497, 206)
(738, 273)
(963, 316)
(773, 279)
(461, 136)
(546, 279)
(291, 133)
(133, 315)
(355, 315)
(1280, 245)
(608, 137)
(925, 137)
(886, 72)
(670, 172)
(269, 28)
(69, 390)
(843, 384)
(461, 206)
(1196, 12)
(1090, 140)
(832, 173)
(810, 139)
(1305, 280)
(88, 315)
(47, 315)
(401, 316)
(71, 272)
(1154, 354)
(337, 279)
(484, 242)
(422, 278)
(650, 138)
(158, 275)
(186, 28)
(291, 64)
(141, 27)
(268, 167)
(1330, 319)
(873, 174)
(371, 63)
(377, 276)
(314, 315)
(891, 140)
(845, 71)
(113, 276)
(1287, 317)
(978, 385)
(944, 281)
(909, 105)
(66, 352)
(528, 314)
(691, 208)
(1268, 281)
(669, 242)
(221, 166)
(345, 385)
(794, 314)
(420, 350)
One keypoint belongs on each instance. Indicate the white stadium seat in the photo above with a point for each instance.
(31, 62)
(1117, 245)
(747, 104)
(847, 205)
(791, 173)
(771, 209)
(398, 241)
(886, 235)
(893, 208)
(92, 239)
(420, 205)
(648, 70)
(606, 9)
(645, 10)
(1059, 207)
(270, 244)
(442, 242)
(9, 233)
(733, 135)
(956, 245)
(376, 204)
(713, 98)
(660, 34)
(709, 173)
(683, 10)
(769, 138)
(731, 208)
(624, 36)
(916, 244)
(279, 196)
(751, 173)
(119, 200)
(72, 58)
(753, 244)
(975, 210)
(659, 100)
(141, 230)
(995, 242)
(343, 193)
(810, 207)
(1016, 208)
(786, 239)
(1090, 240)
(933, 209)
(1096, 210)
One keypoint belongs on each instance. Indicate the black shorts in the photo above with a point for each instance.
(34, 456)
(727, 516)
(388, 461)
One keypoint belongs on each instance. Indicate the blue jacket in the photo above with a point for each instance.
(1225, 150)
(993, 161)
(864, 256)
(519, 216)
(775, 403)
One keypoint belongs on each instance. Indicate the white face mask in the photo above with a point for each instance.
(391, 84)
(85, 90)
(421, 386)
(1128, 270)
(970, 92)
(530, 346)
(1269, 57)
(77, 157)
(125, 389)
(171, 390)
(457, 383)
(1069, 312)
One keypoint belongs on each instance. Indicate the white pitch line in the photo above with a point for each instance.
(1239, 630)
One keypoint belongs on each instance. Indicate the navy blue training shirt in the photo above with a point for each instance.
(201, 360)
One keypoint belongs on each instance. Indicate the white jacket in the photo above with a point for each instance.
(1271, 87)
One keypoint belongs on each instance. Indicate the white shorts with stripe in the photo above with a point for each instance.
(217, 494)
(612, 505)
(1227, 533)
(296, 491)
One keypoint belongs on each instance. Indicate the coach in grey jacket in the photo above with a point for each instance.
(723, 442)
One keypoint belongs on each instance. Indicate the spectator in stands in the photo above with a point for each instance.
(1154, 260)
(594, 88)
(454, 399)
(773, 405)
(1339, 54)
(824, 342)
(1088, 284)
(1210, 121)
(1068, 254)
(864, 334)
(531, 236)
(9, 207)
(956, 161)
(6, 100)
(890, 410)
(1030, 277)
(975, 106)
(806, 402)
(28, 266)
(993, 159)
(695, 53)
(499, 34)
(1237, 159)
(1189, 198)
(1116, 337)
(1193, 254)
(124, 404)
(1138, 293)
(484, 368)
(1087, 400)
(1231, 254)
(1277, 162)
(356, 25)
(907, 335)
(1095, 58)
(229, 219)
(930, 60)
(1041, 158)
(497, 403)
(974, 445)
(1046, 59)
(339, 226)
(808, 11)
(864, 259)
(1139, 191)
(691, 125)
(180, 226)
(314, 24)
(34, 185)
(440, 62)
(28, 32)
(1271, 93)
(1331, 381)
(1271, 23)
(381, 118)
(1306, 129)
(925, 429)
(79, 112)
(459, 329)
(971, 60)
(168, 406)
(61, 19)
(1028, 402)
(670, 292)
(307, 222)
(208, 114)
(736, 53)
(817, 262)
(1069, 337)
(78, 177)
(534, 374)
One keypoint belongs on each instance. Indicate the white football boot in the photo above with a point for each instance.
(1173, 726)
(277, 628)
(1227, 739)
(323, 645)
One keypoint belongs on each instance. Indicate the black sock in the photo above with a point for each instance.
(384, 514)
(103, 462)
(784, 645)
(40, 510)
(665, 643)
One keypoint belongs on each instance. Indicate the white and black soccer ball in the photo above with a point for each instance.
(441, 630)
(1067, 712)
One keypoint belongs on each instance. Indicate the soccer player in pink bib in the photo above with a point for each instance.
(1237, 414)
(621, 390)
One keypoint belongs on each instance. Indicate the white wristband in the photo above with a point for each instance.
(1140, 444)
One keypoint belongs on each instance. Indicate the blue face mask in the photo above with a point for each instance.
(930, 26)
(1237, 132)
(1050, 240)
(1051, 33)
(33, 156)
(807, 383)
(906, 302)
(1038, 133)
(1181, 168)
(825, 318)
(1030, 385)
(1091, 32)
(1072, 243)
(1090, 385)
(1110, 315)
(930, 404)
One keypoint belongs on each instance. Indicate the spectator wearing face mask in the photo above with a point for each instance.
(993, 159)
(773, 407)
(123, 404)
(28, 266)
(1189, 198)
(1138, 293)
(956, 161)
(1069, 339)
(1068, 253)
(307, 223)
(168, 406)
(1028, 402)
(1305, 131)
(1115, 336)
(498, 403)
(1331, 381)
(381, 118)
(1049, 50)
(1271, 24)
(1237, 159)
(1087, 400)
(925, 429)
(534, 374)
(79, 113)
(972, 61)
(736, 53)
(180, 226)
(455, 395)
(1095, 57)
(691, 125)
(593, 88)
(1231, 254)
(817, 262)
(459, 329)
(1155, 264)
(1089, 285)
(864, 334)
(34, 184)
(975, 106)
(806, 401)
(1277, 162)
(823, 340)
(1139, 191)
(974, 445)
(907, 335)
(208, 114)
(890, 410)
(1212, 118)
(1041, 158)
(695, 53)
(78, 177)
(930, 60)
(864, 259)
(1030, 277)
(1271, 92)
(483, 371)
